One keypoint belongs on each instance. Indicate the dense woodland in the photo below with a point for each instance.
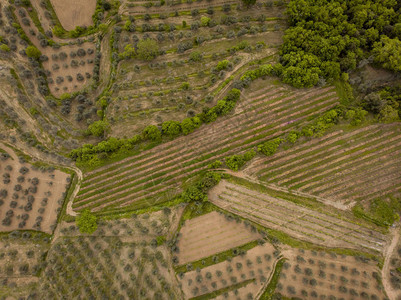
(329, 38)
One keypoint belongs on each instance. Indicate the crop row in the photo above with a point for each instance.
(295, 220)
(184, 158)
(362, 164)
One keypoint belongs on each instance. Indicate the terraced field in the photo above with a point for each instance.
(151, 92)
(209, 234)
(317, 275)
(321, 227)
(157, 173)
(252, 268)
(346, 167)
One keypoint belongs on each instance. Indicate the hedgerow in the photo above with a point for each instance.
(89, 154)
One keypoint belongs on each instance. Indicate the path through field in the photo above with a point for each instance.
(391, 293)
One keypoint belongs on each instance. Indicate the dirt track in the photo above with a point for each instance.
(391, 293)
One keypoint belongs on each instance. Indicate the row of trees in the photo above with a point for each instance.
(89, 153)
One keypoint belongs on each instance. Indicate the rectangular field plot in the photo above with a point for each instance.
(345, 167)
(30, 199)
(320, 275)
(209, 234)
(146, 178)
(254, 267)
(295, 220)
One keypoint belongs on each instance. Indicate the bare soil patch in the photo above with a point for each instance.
(209, 234)
(31, 198)
(256, 264)
(314, 275)
(74, 13)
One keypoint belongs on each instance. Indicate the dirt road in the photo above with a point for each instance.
(391, 293)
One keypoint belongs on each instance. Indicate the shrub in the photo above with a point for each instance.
(147, 49)
(32, 51)
(205, 21)
(152, 132)
(87, 222)
(270, 147)
(215, 165)
(195, 56)
(171, 128)
(235, 162)
(4, 48)
(99, 128)
(190, 124)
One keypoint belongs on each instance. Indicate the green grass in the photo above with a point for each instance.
(303, 201)
(271, 287)
(380, 212)
(223, 290)
(222, 256)
(344, 91)
(194, 210)
(70, 189)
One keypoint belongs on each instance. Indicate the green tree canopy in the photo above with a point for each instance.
(329, 37)
(147, 49)
(171, 128)
(87, 222)
(32, 51)
(388, 53)
(99, 128)
(152, 132)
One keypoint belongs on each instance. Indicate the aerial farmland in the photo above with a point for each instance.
(200, 149)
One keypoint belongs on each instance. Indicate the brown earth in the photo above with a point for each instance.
(256, 264)
(209, 234)
(52, 186)
(74, 13)
(306, 272)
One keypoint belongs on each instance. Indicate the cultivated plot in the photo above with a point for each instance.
(74, 13)
(253, 268)
(123, 259)
(346, 167)
(317, 275)
(68, 67)
(321, 228)
(30, 197)
(156, 174)
(209, 234)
